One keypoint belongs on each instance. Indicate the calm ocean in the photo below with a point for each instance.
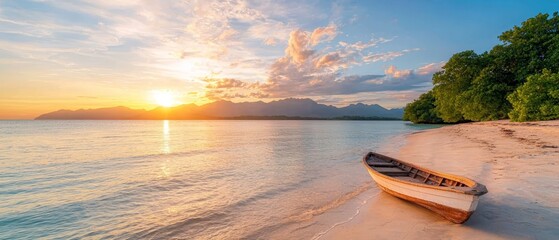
(182, 179)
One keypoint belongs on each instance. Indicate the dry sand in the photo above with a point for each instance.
(518, 162)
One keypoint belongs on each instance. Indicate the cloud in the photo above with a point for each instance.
(306, 71)
(270, 41)
(409, 79)
(323, 34)
(389, 99)
(298, 46)
(230, 88)
(392, 71)
(227, 83)
(270, 31)
(430, 68)
(360, 46)
(249, 63)
(384, 57)
(426, 70)
(328, 60)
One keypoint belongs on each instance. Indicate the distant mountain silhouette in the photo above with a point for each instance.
(291, 108)
(99, 113)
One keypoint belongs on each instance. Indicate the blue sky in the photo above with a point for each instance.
(84, 54)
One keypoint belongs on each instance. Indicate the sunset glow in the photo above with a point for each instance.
(94, 54)
(165, 98)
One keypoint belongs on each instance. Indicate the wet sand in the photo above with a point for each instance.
(518, 162)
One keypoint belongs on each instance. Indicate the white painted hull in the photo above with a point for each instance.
(455, 200)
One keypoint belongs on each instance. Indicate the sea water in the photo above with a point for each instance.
(181, 179)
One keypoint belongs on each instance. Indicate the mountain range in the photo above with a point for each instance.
(290, 108)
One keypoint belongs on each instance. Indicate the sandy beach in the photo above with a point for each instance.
(518, 162)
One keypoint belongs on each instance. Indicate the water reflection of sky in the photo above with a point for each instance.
(134, 179)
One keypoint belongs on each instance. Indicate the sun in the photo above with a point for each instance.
(165, 98)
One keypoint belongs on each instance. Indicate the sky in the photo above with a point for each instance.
(142, 54)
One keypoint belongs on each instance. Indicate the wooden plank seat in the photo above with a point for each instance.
(393, 172)
(382, 164)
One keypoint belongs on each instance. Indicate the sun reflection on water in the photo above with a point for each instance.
(166, 147)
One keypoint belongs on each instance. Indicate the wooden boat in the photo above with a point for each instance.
(453, 197)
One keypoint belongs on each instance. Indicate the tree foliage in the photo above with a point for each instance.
(486, 97)
(537, 99)
(453, 81)
(422, 110)
(533, 46)
(476, 87)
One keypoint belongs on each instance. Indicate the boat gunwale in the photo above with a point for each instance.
(477, 189)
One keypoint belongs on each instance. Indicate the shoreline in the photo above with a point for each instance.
(516, 161)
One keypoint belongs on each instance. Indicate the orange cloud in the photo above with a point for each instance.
(329, 59)
(395, 73)
(323, 33)
(431, 68)
(387, 56)
(217, 83)
(297, 46)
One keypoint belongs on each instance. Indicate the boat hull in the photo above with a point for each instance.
(453, 206)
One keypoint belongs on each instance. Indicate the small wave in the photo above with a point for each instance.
(309, 214)
(96, 164)
(320, 234)
(114, 136)
(179, 227)
(330, 205)
(152, 155)
(270, 193)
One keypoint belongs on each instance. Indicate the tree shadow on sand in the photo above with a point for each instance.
(515, 217)
(508, 217)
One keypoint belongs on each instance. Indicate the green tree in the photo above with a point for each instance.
(533, 46)
(453, 81)
(422, 110)
(537, 99)
(486, 97)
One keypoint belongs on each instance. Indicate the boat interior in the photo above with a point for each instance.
(402, 171)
